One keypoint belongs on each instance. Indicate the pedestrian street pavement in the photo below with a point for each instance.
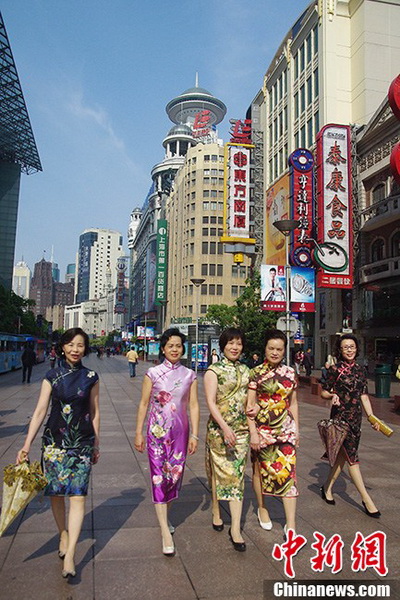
(119, 552)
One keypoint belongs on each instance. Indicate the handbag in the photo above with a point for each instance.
(333, 432)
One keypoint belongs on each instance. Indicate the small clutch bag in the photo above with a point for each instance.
(385, 429)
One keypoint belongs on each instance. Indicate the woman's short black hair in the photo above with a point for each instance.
(275, 334)
(68, 336)
(230, 334)
(340, 339)
(168, 333)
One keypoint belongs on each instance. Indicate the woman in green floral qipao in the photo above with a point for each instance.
(227, 444)
(70, 443)
(272, 403)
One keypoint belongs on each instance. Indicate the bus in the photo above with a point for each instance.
(12, 346)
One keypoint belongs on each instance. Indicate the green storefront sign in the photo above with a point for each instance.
(162, 261)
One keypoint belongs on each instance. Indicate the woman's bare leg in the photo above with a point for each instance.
(355, 474)
(58, 509)
(257, 487)
(289, 505)
(235, 507)
(334, 474)
(75, 520)
(162, 516)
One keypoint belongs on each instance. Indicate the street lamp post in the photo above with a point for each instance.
(197, 281)
(163, 304)
(286, 226)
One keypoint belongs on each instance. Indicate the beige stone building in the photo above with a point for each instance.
(194, 212)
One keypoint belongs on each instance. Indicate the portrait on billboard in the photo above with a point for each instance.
(277, 208)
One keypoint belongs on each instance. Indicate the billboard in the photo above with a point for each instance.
(162, 261)
(335, 218)
(140, 330)
(301, 163)
(277, 208)
(302, 289)
(151, 271)
(273, 287)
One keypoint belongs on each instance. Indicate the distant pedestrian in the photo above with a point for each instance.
(254, 361)
(214, 357)
(298, 361)
(132, 357)
(28, 360)
(308, 362)
(52, 357)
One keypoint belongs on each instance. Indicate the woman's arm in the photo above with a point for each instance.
(142, 412)
(37, 419)
(210, 388)
(366, 403)
(251, 412)
(294, 409)
(328, 393)
(95, 417)
(194, 418)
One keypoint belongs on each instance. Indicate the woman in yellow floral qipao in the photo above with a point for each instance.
(272, 404)
(227, 444)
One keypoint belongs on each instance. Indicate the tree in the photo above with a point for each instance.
(16, 315)
(247, 315)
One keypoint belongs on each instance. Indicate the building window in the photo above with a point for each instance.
(190, 309)
(378, 193)
(219, 290)
(220, 270)
(211, 289)
(204, 269)
(203, 309)
(234, 270)
(206, 205)
(234, 290)
(191, 270)
(211, 270)
(309, 48)
(213, 231)
(213, 247)
(204, 247)
(396, 244)
(377, 250)
(220, 248)
(205, 231)
(214, 158)
(206, 158)
(309, 91)
(206, 193)
(316, 83)
(205, 220)
(203, 289)
(213, 220)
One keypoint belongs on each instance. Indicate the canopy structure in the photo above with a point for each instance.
(17, 142)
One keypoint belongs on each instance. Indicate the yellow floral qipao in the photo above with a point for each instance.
(276, 428)
(228, 463)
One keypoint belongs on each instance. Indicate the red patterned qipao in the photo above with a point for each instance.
(277, 429)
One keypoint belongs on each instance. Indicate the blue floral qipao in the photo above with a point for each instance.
(68, 438)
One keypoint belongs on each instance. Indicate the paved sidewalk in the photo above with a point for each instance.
(119, 552)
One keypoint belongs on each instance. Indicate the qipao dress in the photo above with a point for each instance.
(168, 428)
(349, 382)
(68, 438)
(277, 429)
(227, 464)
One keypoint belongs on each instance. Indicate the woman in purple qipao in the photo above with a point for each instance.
(168, 388)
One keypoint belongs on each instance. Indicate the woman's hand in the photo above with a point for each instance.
(193, 443)
(297, 439)
(252, 411)
(229, 436)
(95, 455)
(335, 400)
(374, 425)
(255, 441)
(139, 442)
(23, 455)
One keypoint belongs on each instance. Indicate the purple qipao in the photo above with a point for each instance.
(168, 428)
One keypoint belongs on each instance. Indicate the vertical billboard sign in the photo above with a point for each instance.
(273, 287)
(277, 208)
(335, 221)
(162, 261)
(119, 307)
(237, 184)
(301, 163)
(302, 289)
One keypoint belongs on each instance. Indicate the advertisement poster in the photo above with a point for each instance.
(302, 289)
(277, 208)
(202, 356)
(273, 287)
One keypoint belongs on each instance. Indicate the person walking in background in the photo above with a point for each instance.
(347, 387)
(308, 362)
(254, 360)
(214, 357)
(28, 360)
(274, 428)
(227, 443)
(132, 357)
(298, 360)
(70, 442)
(52, 357)
(169, 388)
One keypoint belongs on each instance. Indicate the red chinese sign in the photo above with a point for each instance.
(238, 191)
(335, 221)
(301, 163)
(240, 131)
(201, 126)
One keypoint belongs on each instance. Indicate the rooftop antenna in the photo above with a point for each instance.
(197, 80)
(52, 252)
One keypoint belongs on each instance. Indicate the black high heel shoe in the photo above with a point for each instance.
(218, 527)
(239, 546)
(374, 515)
(323, 496)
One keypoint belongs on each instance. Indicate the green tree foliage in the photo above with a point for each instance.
(247, 315)
(16, 315)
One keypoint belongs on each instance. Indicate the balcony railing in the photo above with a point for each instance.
(380, 213)
(389, 267)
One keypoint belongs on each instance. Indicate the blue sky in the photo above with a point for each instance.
(97, 75)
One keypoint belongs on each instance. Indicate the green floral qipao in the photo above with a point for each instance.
(68, 438)
(228, 463)
(276, 428)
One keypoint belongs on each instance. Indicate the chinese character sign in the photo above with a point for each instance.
(335, 207)
(273, 287)
(162, 261)
(301, 163)
(119, 307)
(238, 193)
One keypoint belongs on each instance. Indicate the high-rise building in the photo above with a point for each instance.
(99, 249)
(70, 273)
(22, 279)
(18, 153)
(334, 66)
(42, 287)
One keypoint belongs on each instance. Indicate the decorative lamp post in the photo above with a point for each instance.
(197, 281)
(286, 226)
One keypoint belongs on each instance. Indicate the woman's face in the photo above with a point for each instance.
(274, 351)
(74, 350)
(233, 349)
(348, 349)
(173, 349)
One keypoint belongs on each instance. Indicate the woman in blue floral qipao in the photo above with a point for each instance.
(70, 442)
